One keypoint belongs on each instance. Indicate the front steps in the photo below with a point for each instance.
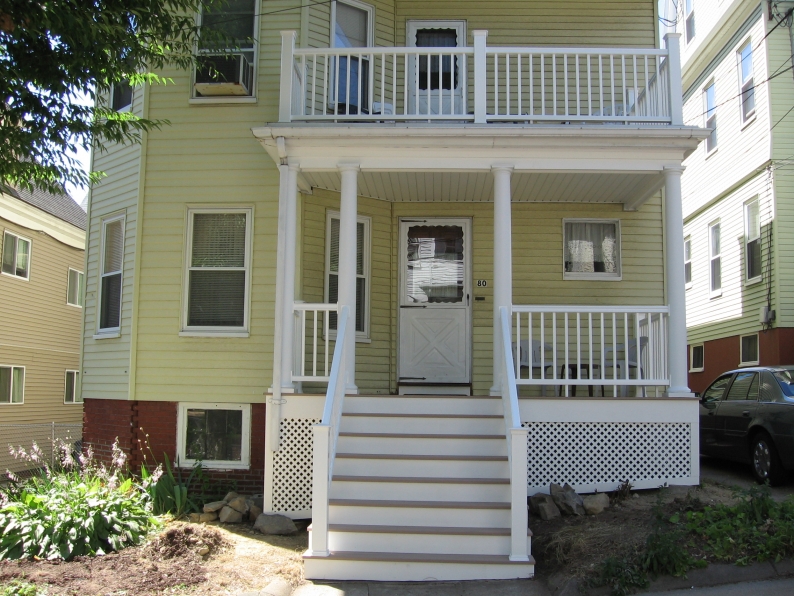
(420, 491)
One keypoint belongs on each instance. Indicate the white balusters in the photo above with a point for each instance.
(313, 326)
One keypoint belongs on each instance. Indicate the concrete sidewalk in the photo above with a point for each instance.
(780, 587)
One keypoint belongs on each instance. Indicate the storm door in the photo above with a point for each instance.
(435, 305)
(436, 82)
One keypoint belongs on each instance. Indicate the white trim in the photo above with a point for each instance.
(112, 334)
(688, 261)
(714, 293)
(691, 357)
(220, 99)
(16, 252)
(79, 293)
(361, 336)
(181, 434)
(751, 280)
(24, 380)
(368, 8)
(749, 83)
(77, 398)
(205, 331)
(603, 276)
(687, 15)
(35, 220)
(122, 216)
(755, 362)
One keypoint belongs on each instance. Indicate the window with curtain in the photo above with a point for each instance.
(218, 270)
(592, 249)
(752, 240)
(437, 73)
(16, 256)
(362, 270)
(71, 394)
(111, 274)
(12, 384)
(74, 287)
(715, 259)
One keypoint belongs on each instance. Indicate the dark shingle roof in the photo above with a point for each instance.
(60, 205)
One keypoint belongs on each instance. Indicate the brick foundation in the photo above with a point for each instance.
(775, 346)
(104, 420)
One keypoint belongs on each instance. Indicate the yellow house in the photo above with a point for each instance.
(377, 253)
(41, 292)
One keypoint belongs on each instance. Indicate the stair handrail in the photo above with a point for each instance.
(326, 435)
(516, 437)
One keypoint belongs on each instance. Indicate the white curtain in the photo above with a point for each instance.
(591, 247)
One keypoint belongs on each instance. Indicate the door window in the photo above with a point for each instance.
(717, 389)
(435, 265)
(437, 72)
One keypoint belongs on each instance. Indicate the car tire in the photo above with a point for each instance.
(765, 461)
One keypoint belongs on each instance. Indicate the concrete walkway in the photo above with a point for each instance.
(780, 587)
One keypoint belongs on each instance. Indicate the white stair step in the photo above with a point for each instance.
(419, 513)
(476, 541)
(375, 566)
(422, 443)
(421, 423)
(424, 404)
(418, 488)
(380, 465)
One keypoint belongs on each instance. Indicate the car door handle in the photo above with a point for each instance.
(712, 412)
(746, 413)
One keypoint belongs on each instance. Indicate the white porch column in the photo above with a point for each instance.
(288, 283)
(676, 285)
(502, 264)
(347, 264)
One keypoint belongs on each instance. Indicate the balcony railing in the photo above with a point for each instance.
(481, 84)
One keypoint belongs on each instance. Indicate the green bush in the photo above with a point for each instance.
(20, 588)
(77, 508)
(168, 492)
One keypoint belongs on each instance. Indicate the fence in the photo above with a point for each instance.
(45, 435)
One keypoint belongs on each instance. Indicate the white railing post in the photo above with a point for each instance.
(480, 96)
(519, 518)
(286, 91)
(674, 72)
(320, 489)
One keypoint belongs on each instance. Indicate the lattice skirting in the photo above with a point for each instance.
(604, 454)
(292, 465)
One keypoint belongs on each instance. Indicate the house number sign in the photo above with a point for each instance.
(482, 283)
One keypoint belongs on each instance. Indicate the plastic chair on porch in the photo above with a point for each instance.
(531, 359)
(620, 361)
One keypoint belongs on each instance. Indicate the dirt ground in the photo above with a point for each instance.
(239, 559)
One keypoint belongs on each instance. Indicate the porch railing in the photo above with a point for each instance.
(313, 326)
(326, 435)
(607, 346)
(516, 437)
(481, 84)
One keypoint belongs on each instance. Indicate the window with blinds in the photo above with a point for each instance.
(362, 270)
(112, 266)
(218, 270)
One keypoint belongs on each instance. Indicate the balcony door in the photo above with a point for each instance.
(351, 27)
(435, 304)
(436, 84)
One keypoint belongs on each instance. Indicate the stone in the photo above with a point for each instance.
(274, 524)
(259, 501)
(595, 504)
(194, 517)
(204, 551)
(230, 496)
(548, 510)
(230, 516)
(239, 504)
(207, 517)
(536, 500)
(214, 506)
(567, 500)
(254, 512)
(278, 587)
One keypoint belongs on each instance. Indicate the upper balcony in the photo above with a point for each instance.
(481, 84)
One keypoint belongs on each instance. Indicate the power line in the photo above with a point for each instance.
(791, 109)
(263, 14)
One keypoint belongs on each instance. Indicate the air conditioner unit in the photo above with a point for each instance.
(224, 75)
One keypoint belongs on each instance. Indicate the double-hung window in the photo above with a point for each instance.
(591, 249)
(352, 27)
(752, 241)
(689, 16)
(74, 287)
(746, 84)
(12, 384)
(111, 274)
(710, 112)
(688, 261)
(16, 256)
(218, 271)
(218, 435)
(71, 392)
(363, 226)
(227, 50)
(715, 260)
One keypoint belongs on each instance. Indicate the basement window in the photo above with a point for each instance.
(217, 435)
(696, 354)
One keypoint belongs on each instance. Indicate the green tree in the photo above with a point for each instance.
(50, 48)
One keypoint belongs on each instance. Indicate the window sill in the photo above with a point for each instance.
(216, 465)
(741, 364)
(16, 276)
(712, 152)
(74, 305)
(749, 121)
(696, 370)
(221, 99)
(12, 403)
(73, 403)
(714, 295)
(360, 339)
(688, 286)
(591, 277)
(214, 334)
(753, 281)
(108, 335)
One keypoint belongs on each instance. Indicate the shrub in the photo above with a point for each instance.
(20, 588)
(76, 508)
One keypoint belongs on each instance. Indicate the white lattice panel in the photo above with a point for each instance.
(292, 466)
(607, 453)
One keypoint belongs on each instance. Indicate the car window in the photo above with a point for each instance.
(741, 385)
(717, 388)
(769, 388)
(785, 378)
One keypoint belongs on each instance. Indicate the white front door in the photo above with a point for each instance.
(435, 303)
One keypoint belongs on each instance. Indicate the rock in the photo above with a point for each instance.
(595, 504)
(259, 501)
(230, 516)
(274, 524)
(230, 496)
(239, 504)
(207, 517)
(214, 506)
(567, 500)
(203, 551)
(254, 512)
(536, 500)
(548, 510)
(278, 587)
(194, 517)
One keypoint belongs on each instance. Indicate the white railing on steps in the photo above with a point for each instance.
(326, 435)
(313, 323)
(516, 437)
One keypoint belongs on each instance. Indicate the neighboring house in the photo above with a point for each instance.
(737, 187)
(414, 177)
(41, 292)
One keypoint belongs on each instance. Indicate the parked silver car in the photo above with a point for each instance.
(747, 415)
